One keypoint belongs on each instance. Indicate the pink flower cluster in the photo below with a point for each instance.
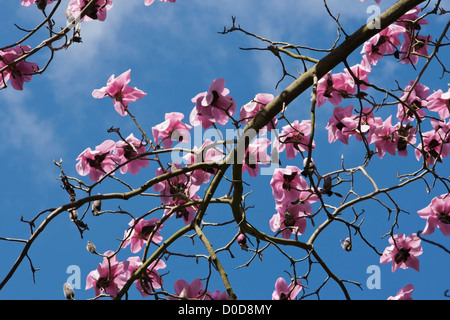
(195, 291)
(96, 11)
(111, 275)
(284, 292)
(293, 197)
(16, 72)
(109, 154)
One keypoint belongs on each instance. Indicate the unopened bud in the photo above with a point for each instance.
(96, 207)
(73, 215)
(90, 247)
(242, 241)
(68, 291)
(346, 244)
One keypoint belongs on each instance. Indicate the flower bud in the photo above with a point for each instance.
(68, 291)
(242, 241)
(346, 244)
(73, 215)
(91, 247)
(96, 207)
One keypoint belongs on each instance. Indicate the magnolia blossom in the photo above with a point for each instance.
(436, 145)
(404, 293)
(213, 106)
(172, 129)
(255, 155)
(360, 71)
(118, 90)
(206, 153)
(294, 138)
(440, 102)
(19, 72)
(149, 2)
(403, 252)
(383, 137)
(186, 213)
(109, 277)
(384, 42)
(334, 87)
(289, 187)
(126, 150)
(414, 46)
(410, 20)
(249, 110)
(96, 163)
(290, 219)
(176, 188)
(140, 232)
(96, 11)
(150, 278)
(194, 290)
(415, 99)
(284, 292)
(437, 214)
(342, 124)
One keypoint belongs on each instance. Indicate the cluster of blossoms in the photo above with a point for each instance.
(292, 194)
(386, 136)
(109, 154)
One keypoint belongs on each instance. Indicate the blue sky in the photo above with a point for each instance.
(174, 52)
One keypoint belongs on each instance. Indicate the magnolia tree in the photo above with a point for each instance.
(206, 160)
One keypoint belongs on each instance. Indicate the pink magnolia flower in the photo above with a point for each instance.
(295, 138)
(384, 42)
(334, 87)
(290, 219)
(19, 72)
(109, 277)
(213, 106)
(342, 124)
(194, 290)
(206, 153)
(284, 292)
(140, 232)
(96, 12)
(408, 20)
(125, 152)
(414, 46)
(436, 145)
(28, 3)
(118, 89)
(172, 129)
(187, 214)
(176, 188)
(150, 279)
(404, 293)
(289, 187)
(403, 252)
(249, 110)
(440, 102)
(404, 136)
(149, 2)
(437, 214)
(99, 162)
(360, 71)
(255, 155)
(417, 102)
(384, 140)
